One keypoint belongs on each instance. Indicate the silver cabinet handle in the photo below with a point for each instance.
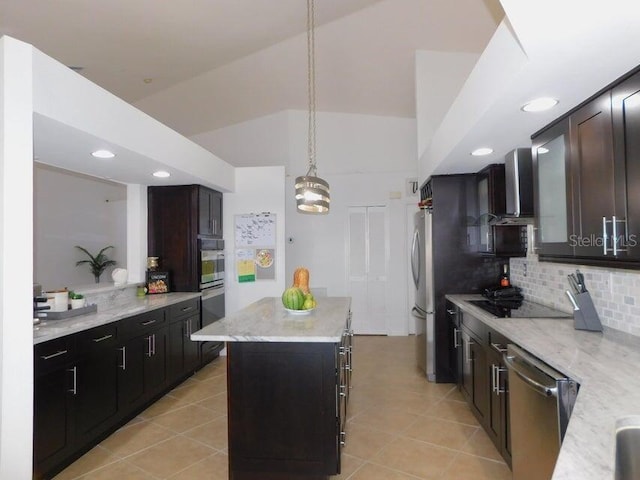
(499, 370)
(149, 352)
(154, 343)
(456, 332)
(186, 309)
(498, 347)
(604, 235)
(451, 312)
(343, 438)
(74, 388)
(53, 355)
(148, 322)
(102, 339)
(123, 366)
(468, 350)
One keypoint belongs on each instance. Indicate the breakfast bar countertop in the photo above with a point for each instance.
(606, 367)
(268, 321)
(51, 329)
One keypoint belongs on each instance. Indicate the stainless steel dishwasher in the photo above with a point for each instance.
(540, 402)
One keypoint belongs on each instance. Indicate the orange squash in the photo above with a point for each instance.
(301, 279)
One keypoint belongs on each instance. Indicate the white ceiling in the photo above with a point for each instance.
(206, 58)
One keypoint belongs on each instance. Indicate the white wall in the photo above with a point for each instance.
(16, 259)
(69, 210)
(364, 158)
(257, 190)
(439, 78)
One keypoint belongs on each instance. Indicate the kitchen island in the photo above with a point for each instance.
(287, 388)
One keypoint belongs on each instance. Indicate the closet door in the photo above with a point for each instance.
(368, 265)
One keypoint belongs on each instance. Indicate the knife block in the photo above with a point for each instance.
(586, 317)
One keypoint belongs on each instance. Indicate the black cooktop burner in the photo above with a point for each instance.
(525, 310)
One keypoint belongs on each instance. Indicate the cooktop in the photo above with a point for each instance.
(524, 310)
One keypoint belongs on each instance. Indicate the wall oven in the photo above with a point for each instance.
(211, 253)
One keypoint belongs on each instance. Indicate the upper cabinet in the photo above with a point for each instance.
(587, 172)
(210, 213)
(499, 240)
(552, 191)
(626, 135)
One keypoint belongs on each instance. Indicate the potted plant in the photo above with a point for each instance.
(77, 300)
(97, 263)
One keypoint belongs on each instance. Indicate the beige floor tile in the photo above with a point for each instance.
(185, 418)
(217, 403)
(166, 404)
(199, 390)
(121, 469)
(468, 467)
(95, 458)
(135, 438)
(213, 467)
(388, 420)
(453, 410)
(170, 457)
(440, 432)
(364, 442)
(369, 471)
(414, 457)
(480, 444)
(348, 465)
(213, 434)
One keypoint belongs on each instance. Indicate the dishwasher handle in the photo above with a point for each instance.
(518, 366)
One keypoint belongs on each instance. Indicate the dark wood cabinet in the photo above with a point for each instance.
(455, 353)
(592, 175)
(288, 408)
(626, 136)
(183, 354)
(95, 379)
(88, 384)
(210, 212)
(53, 404)
(474, 377)
(587, 179)
(552, 191)
(498, 420)
(501, 240)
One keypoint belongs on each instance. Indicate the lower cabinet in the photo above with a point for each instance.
(88, 384)
(481, 375)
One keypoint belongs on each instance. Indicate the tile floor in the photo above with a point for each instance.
(400, 427)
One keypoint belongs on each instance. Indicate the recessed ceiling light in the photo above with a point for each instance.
(103, 154)
(161, 174)
(480, 152)
(540, 104)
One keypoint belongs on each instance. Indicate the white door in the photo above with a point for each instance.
(368, 263)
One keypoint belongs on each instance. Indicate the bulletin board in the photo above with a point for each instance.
(255, 242)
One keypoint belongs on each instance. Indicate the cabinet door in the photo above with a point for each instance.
(191, 348)
(474, 377)
(131, 373)
(183, 354)
(155, 372)
(96, 383)
(52, 404)
(205, 214)
(592, 174)
(626, 132)
(552, 191)
(494, 410)
(216, 213)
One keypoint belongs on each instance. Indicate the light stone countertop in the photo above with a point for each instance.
(267, 321)
(606, 366)
(51, 329)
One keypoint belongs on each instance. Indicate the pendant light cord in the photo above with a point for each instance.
(311, 82)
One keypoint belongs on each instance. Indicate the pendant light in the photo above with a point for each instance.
(312, 192)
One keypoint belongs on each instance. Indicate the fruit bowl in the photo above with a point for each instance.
(299, 312)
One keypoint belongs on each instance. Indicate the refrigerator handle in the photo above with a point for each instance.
(415, 257)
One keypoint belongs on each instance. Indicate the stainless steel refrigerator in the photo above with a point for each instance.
(446, 258)
(422, 311)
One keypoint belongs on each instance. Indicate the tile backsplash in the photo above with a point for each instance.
(615, 292)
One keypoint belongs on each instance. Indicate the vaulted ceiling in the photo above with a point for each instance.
(203, 64)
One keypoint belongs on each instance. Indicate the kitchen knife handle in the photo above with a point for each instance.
(573, 300)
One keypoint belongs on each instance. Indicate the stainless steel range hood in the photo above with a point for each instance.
(518, 170)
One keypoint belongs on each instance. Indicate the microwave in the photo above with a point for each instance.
(211, 253)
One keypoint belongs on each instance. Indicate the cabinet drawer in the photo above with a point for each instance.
(184, 309)
(497, 342)
(143, 322)
(99, 337)
(474, 325)
(53, 354)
